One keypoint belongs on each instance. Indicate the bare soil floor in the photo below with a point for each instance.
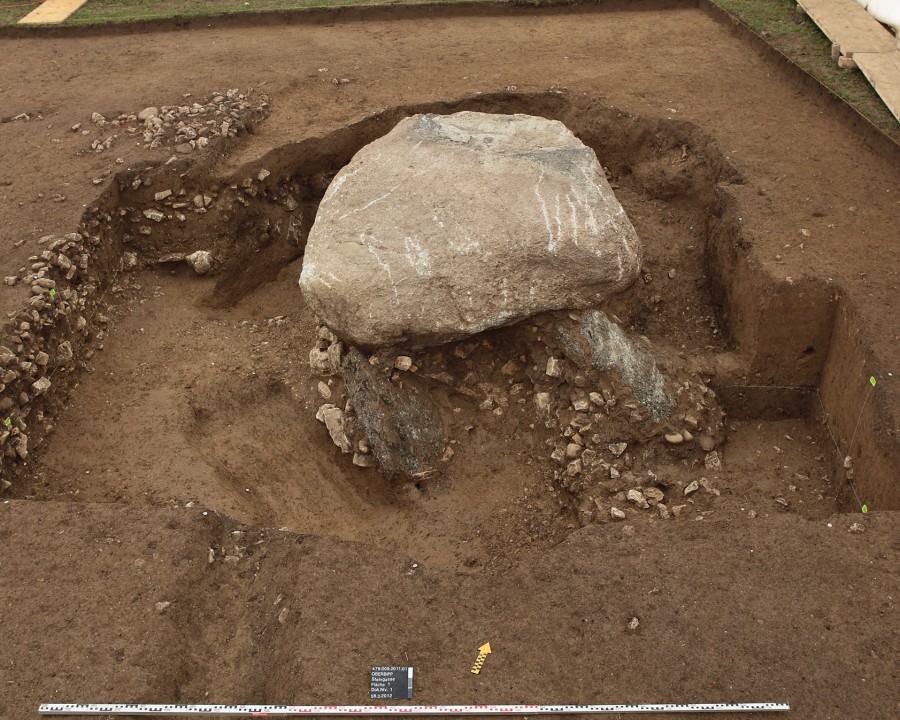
(184, 530)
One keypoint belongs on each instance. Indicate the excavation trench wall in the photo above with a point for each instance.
(798, 351)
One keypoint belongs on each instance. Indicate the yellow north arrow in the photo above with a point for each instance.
(483, 652)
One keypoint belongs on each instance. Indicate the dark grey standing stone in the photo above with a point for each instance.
(399, 419)
(598, 342)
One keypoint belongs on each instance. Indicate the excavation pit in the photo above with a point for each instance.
(203, 394)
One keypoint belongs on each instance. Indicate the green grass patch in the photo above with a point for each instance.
(103, 11)
(798, 37)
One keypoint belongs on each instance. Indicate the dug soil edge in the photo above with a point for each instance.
(799, 343)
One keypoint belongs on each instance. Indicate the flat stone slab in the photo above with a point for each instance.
(453, 224)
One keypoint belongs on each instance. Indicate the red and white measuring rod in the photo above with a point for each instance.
(432, 710)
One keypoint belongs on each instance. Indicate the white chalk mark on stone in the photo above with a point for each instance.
(574, 214)
(369, 204)
(339, 181)
(551, 242)
(417, 256)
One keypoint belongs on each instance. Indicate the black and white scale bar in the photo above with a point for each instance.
(295, 710)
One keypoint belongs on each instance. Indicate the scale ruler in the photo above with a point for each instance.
(288, 710)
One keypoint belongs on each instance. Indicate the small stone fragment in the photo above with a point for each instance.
(333, 417)
(364, 460)
(573, 450)
(154, 215)
(162, 606)
(636, 497)
(324, 390)
(675, 438)
(21, 446)
(707, 443)
(554, 369)
(162, 195)
(403, 362)
(542, 402)
(200, 261)
(618, 448)
(326, 361)
(856, 528)
(653, 495)
(708, 486)
(693, 487)
(633, 624)
(712, 461)
(41, 385)
(616, 514)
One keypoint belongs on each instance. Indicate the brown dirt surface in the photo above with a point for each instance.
(141, 558)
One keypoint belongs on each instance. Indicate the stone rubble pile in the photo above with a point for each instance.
(59, 318)
(598, 432)
(188, 127)
(62, 323)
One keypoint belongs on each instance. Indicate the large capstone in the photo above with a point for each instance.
(453, 224)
